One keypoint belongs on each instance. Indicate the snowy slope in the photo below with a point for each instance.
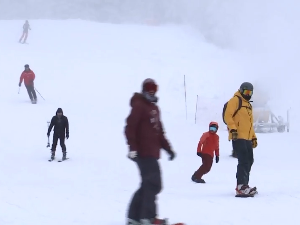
(91, 70)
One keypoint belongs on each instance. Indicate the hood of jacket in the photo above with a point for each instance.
(59, 110)
(140, 97)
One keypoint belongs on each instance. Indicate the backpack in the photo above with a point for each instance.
(239, 107)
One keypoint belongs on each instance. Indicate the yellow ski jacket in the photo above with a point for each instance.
(242, 121)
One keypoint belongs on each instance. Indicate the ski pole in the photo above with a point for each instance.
(19, 90)
(39, 93)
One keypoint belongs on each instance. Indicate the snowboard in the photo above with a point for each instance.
(246, 195)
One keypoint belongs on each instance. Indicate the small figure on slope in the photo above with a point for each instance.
(208, 146)
(28, 76)
(239, 121)
(61, 130)
(26, 27)
(145, 137)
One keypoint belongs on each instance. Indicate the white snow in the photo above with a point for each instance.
(91, 70)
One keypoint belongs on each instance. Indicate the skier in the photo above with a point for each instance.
(208, 146)
(241, 132)
(28, 76)
(61, 130)
(145, 137)
(26, 27)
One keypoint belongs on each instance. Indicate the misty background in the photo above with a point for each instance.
(264, 32)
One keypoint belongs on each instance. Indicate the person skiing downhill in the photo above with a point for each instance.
(26, 27)
(145, 137)
(28, 76)
(61, 131)
(239, 122)
(208, 146)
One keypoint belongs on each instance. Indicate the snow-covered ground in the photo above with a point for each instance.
(91, 70)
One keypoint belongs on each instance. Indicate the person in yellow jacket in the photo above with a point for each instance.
(239, 122)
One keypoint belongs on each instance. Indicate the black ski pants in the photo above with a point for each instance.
(31, 92)
(243, 149)
(61, 141)
(143, 204)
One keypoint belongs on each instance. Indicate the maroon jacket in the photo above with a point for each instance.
(144, 130)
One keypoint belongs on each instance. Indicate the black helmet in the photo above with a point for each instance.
(246, 86)
(26, 66)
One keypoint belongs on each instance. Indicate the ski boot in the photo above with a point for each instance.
(64, 156)
(52, 155)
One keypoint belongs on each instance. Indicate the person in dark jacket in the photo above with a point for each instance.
(26, 27)
(145, 136)
(61, 130)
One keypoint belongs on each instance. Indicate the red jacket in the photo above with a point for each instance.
(209, 144)
(28, 77)
(144, 130)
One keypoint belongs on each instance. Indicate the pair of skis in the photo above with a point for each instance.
(50, 160)
(48, 145)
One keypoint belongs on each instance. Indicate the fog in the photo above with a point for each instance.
(264, 32)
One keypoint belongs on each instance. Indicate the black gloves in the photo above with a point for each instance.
(171, 154)
(199, 154)
(67, 135)
(254, 142)
(19, 84)
(48, 134)
(234, 134)
(217, 159)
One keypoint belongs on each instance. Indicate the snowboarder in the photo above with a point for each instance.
(26, 27)
(145, 136)
(208, 146)
(61, 130)
(241, 132)
(28, 76)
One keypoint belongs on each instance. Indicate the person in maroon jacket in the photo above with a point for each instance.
(28, 76)
(145, 137)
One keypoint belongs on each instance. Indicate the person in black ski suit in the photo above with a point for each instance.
(61, 130)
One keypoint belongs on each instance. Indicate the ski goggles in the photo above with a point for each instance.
(150, 87)
(247, 92)
(214, 129)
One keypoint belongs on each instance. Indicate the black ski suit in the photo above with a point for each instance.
(61, 130)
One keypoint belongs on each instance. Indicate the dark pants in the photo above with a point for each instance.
(143, 204)
(244, 151)
(31, 92)
(207, 161)
(61, 141)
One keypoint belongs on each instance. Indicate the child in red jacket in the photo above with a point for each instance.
(208, 146)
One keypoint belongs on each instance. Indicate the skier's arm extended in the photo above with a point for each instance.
(232, 106)
(164, 142)
(21, 79)
(51, 125)
(67, 126)
(132, 124)
(217, 152)
(201, 142)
